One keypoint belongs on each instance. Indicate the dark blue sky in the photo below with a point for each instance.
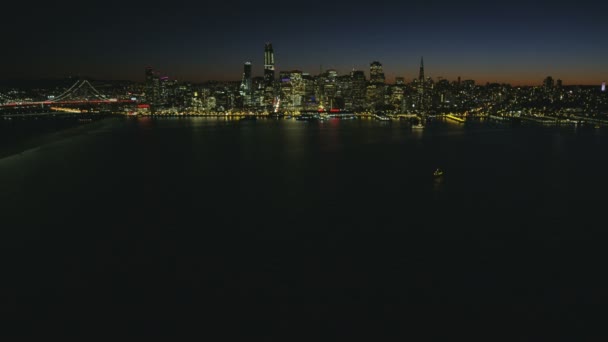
(516, 42)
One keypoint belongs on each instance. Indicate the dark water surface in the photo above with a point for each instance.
(286, 230)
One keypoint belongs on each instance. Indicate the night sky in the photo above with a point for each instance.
(515, 42)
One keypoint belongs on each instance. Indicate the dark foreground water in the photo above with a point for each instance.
(286, 230)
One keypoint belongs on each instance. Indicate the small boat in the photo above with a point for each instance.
(307, 117)
(438, 173)
(418, 126)
(276, 115)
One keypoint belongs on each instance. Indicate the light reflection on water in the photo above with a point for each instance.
(292, 213)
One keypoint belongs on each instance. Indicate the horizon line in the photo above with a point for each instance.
(6, 82)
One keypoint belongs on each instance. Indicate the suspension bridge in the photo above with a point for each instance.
(81, 93)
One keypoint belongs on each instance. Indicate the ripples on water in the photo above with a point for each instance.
(297, 229)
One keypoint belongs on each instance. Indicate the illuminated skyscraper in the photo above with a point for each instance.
(165, 91)
(246, 84)
(247, 75)
(603, 86)
(152, 86)
(421, 86)
(297, 88)
(421, 73)
(149, 83)
(149, 75)
(268, 64)
(548, 83)
(376, 75)
(268, 74)
(358, 88)
(293, 89)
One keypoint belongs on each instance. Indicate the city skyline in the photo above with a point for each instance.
(515, 43)
(258, 71)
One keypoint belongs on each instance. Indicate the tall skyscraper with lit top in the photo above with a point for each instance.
(246, 84)
(268, 64)
(268, 74)
(247, 75)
